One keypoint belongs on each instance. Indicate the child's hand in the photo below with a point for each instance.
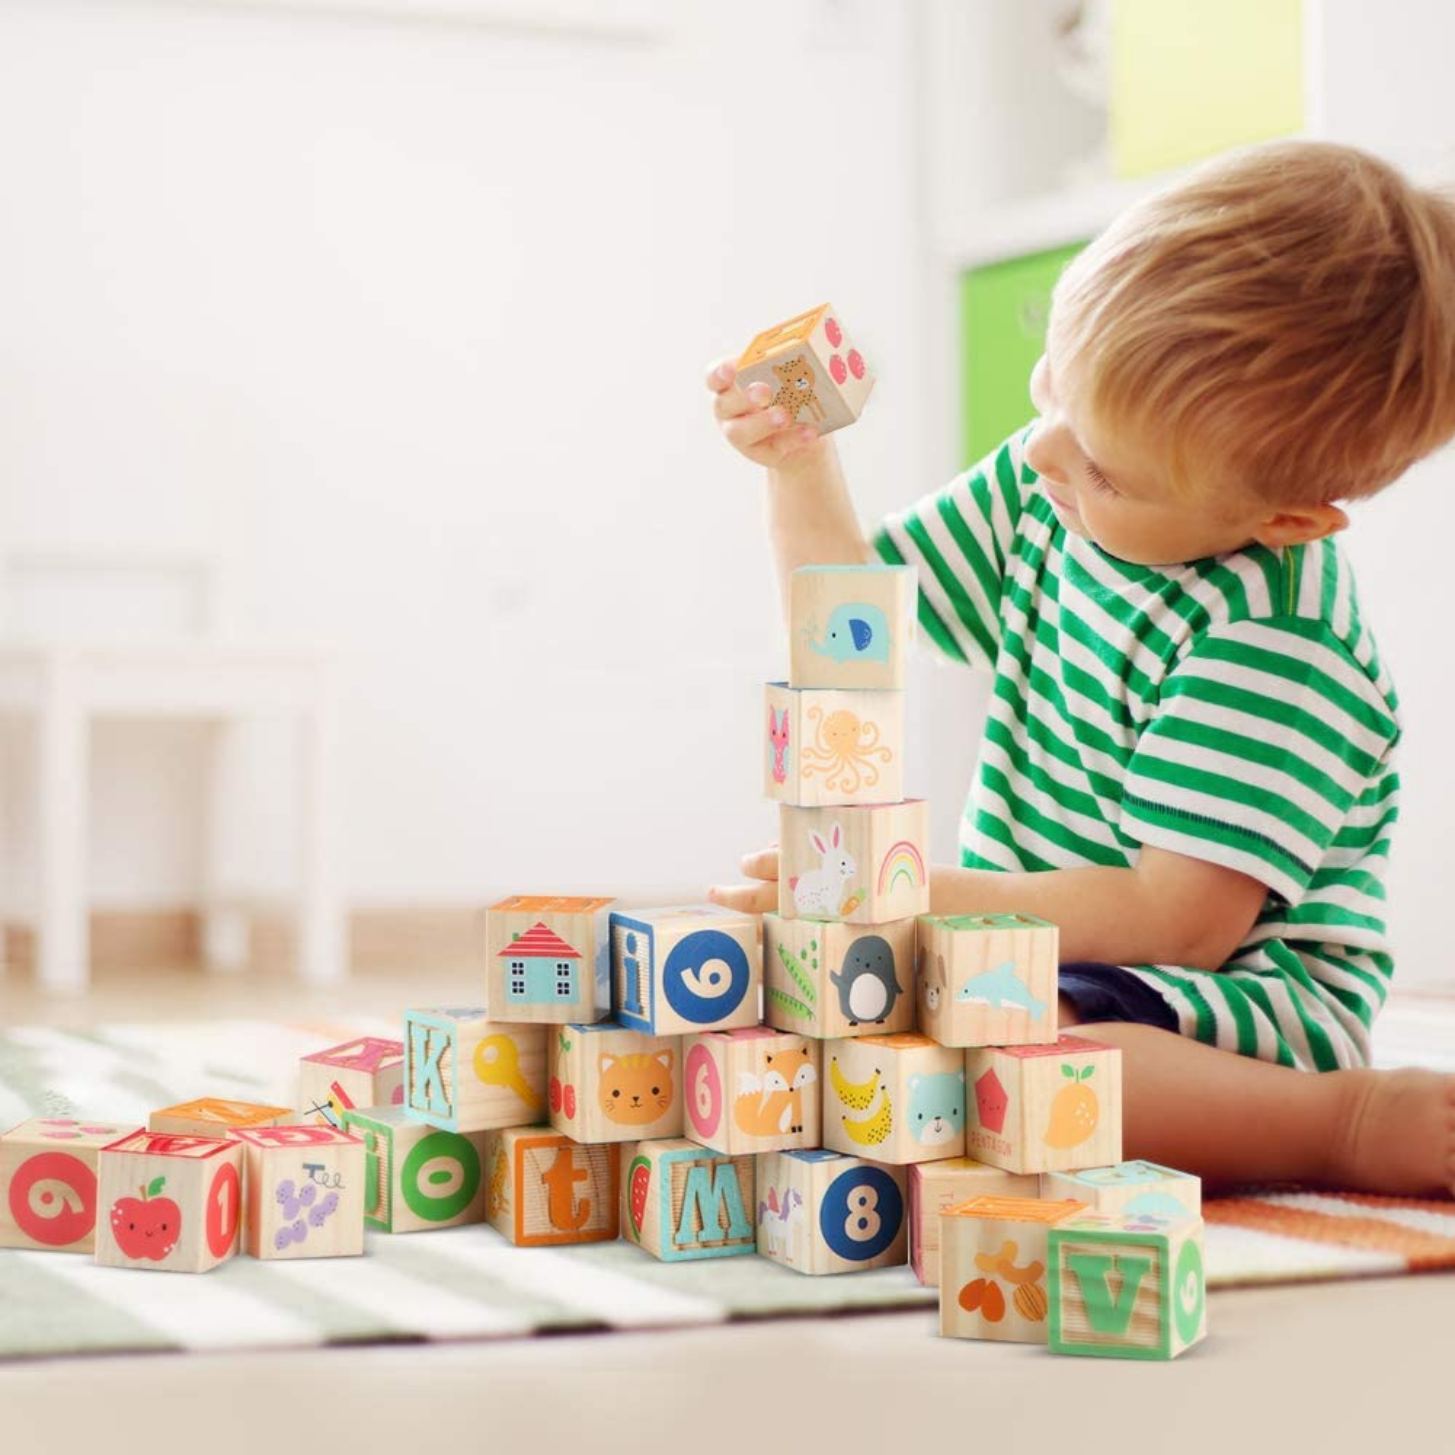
(754, 429)
(759, 898)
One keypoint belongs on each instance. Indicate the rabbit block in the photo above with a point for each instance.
(48, 1187)
(417, 1177)
(826, 979)
(546, 959)
(304, 1192)
(211, 1117)
(1120, 1291)
(608, 1084)
(681, 1201)
(169, 1203)
(896, 1099)
(993, 1258)
(825, 1212)
(988, 979)
(686, 968)
(1137, 1190)
(864, 864)
(936, 1186)
(545, 1189)
(466, 1073)
(1045, 1108)
(850, 626)
(832, 746)
(752, 1090)
(817, 375)
(365, 1072)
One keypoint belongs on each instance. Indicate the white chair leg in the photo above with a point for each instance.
(322, 933)
(226, 928)
(64, 956)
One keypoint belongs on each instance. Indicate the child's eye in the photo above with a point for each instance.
(1098, 480)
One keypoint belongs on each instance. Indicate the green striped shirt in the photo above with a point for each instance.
(1233, 709)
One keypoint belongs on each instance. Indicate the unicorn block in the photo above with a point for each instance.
(826, 1212)
(863, 864)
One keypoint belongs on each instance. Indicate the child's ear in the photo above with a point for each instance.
(1300, 524)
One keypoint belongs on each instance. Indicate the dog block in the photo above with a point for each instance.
(546, 959)
(816, 374)
(862, 864)
(681, 1201)
(466, 1073)
(993, 1258)
(935, 1186)
(608, 1084)
(752, 1090)
(850, 626)
(417, 1177)
(896, 1099)
(1123, 1292)
(48, 1182)
(1149, 1195)
(988, 979)
(167, 1202)
(831, 746)
(303, 1192)
(365, 1072)
(826, 1212)
(826, 979)
(209, 1116)
(686, 968)
(544, 1189)
(1045, 1108)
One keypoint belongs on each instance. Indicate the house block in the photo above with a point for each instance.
(210, 1116)
(850, 626)
(863, 864)
(544, 1189)
(896, 1099)
(546, 959)
(816, 374)
(303, 1191)
(417, 1177)
(681, 1201)
(609, 1084)
(365, 1072)
(1148, 1195)
(826, 1212)
(936, 1186)
(466, 1073)
(752, 1090)
(824, 979)
(48, 1186)
(833, 746)
(988, 979)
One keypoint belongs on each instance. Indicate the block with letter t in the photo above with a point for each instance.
(546, 959)
(543, 1189)
(305, 1192)
(48, 1182)
(417, 1177)
(681, 1201)
(465, 1072)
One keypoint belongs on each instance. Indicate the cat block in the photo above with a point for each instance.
(209, 1116)
(168, 1203)
(546, 959)
(988, 979)
(895, 1099)
(368, 1071)
(823, 1212)
(936, 1186)
(1148, 1195)
(823, 978)
(830, 746)
(48, 1187)
(850, 626)
(752, 1090)
(1120, 1291)
(685, 968)
(545, 1190)
(304, 1192)
(816, 374)
(609, 1084)
(681, 1201)
(1045, 1108)
(417, 1177)
(863, 864)
(464, 1072)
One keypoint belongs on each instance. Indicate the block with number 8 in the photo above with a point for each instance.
(825, 1212)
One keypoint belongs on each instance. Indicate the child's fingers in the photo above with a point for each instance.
(749, 898)
(751, 430)
(761, 864)
(720, 375)
(733, 403)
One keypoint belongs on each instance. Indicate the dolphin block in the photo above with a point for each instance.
(850, 626)
(895, 1099)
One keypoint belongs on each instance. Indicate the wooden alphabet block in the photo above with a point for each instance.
(546, 959)
(48, 1182)
(168, 1203)
(988, 979)
(850, 626)
(608, 1084)
(685, 968)
(863, 864)
(681, 1201)
(1141, 1191)
(209, 1116)
(936, 1186)
(1045, 1108)
(752, 1090)
(304, 1192)
(993, 1253)
(817, 375)
(546, 1190)
(833, 746)
(897, 1099)
(466, 1073)
(825, 1212)
(365, 1072)
(1123, 1292)
(824, 979)
(417, 1177)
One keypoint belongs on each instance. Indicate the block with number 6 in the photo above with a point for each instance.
(48, 1183)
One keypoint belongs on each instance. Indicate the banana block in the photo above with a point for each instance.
(897, 1099)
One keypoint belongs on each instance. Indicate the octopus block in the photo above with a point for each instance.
(546, 959)
(850, 626)
(823, 979)
(752, 1090)
(466, 1073)
(417, 1177)
(545, 1189)
(169, 1203)
(681, 1201)
(48, 1183)
(993, 1258)
(813, 368)
(305, 1191)
(897, 1099)
(1122, 1292)
(607, 1084)
(210, 1117)
(824, 1212)
(862, 864)
(687, 968)
(832, 746)
(1045, 1108)
(937, 1186)
(1141, 1191)
(365, 1072)
(988, 979)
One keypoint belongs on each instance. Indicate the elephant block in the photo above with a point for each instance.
(546, 959)
(895, 1099)
(831, 746)
(609, 1084)
(752, 1090)
(826, 1212)
(816, 374)
(865, 864)
(936, 1186)
(825, 979)
(850, 626)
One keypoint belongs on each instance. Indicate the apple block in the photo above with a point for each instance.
(936, 1186)
(304, 1192)
(609, 1084)
(466, 1073)
(544, 1189)
(210, 1116)
(988, 979)
(816, 374)
(833, 746)
(681, 1201)
(826, 979)
(546, 959)
(863, 864)
(365, 1072)
(1142, 1191)
(48, 1182)
(417, 1177)
(895, 1099)
(752, 1090)
(850, 626)
(826, 1212)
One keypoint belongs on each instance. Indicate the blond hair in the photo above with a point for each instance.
(1282, 321)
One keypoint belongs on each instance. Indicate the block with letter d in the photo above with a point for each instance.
(682, 1201)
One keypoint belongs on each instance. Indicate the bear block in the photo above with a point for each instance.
(209, 1116)
(752, 1090)
(304, 1192)
(816, 374)
(826, 1212)
(681, 1201)
(48, 1184)
(850, 626)
(466, 1073)
(830, 746)
(544, 1189)
(609, 1084)
(935, 1186)
(988, 979)
(895, 1099)
(863, 864)
(365, 1072)
(1142, 1191)
(417, 1177)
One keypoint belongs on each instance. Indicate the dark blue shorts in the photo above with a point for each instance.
(1110, 993)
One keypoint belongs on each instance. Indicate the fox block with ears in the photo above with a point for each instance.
(546, 960)
(987, 979)
(862, 864)
(304, 1192)
(544, 1189)
(895, 1099)
(752, 1090)
(365, 1072)
(936, 1186)
(1137, 1190)
(826, 1212)
(816, 374)
(464, 1072)
(209, 1116)
(48, 1186)
(608, 1084)
(417, 1177)
(850, 626)
(682, 1201)
(829, 746)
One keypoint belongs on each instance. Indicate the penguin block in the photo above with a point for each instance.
(816, 374)
(608, 1084)
(936, 1186)
(864, 864)
(826, 979)
(466, 1073)
(546, 959)
(829, 746)
(850, 626)
(48, 1182)
(825, 1212)
(1141, 1191)
(545, 1190)
(417, 1177)
(895, 1099)
(365, 1072)
(987, 979)
(752, 1090)
(681, 1201)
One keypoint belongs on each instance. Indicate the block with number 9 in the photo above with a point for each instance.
(48, 1183)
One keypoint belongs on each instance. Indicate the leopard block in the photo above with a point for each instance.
(816, 374)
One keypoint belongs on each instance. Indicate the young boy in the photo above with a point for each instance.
(1188, 762)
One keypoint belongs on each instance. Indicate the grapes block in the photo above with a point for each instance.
(417, 1177)
(831, 746)
(211, 1117)
(545, 1189)
(752, 1090)
(816, 374)
(365, 1072)
(546, 959)
(304, 1192)
(826, 1212)
(850, 626)
(464, 1072)
(936, 1186)
(609, 1084)
(681, 1201)
(987, 979)
(48, 1182)
(895, 1099)
(824, 979)
(1142, 1191)
(863, 864)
